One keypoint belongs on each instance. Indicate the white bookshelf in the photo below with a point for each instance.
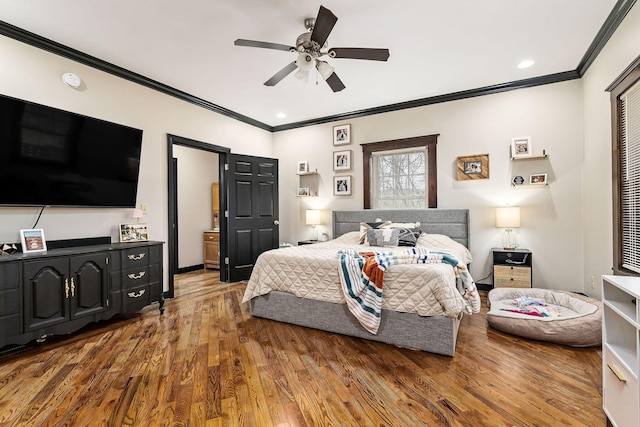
(621, 350)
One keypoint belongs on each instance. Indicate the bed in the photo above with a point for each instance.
(422, 304)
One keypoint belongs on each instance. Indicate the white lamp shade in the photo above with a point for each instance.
(304, 62)
(324, 69)
(508, 217)
(313, 217)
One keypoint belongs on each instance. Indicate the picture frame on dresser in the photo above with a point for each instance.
(134, 232)
(33, 240)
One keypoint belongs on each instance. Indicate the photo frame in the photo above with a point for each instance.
(134, 232)
(33, 241)
(342, 160)
(303, 192)
(342, 134)
(538, 179)
(473, 167)
(303, 167)
(521, 147)
(342, 185)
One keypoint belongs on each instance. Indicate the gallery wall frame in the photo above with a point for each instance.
(472, 167)
(342, 134)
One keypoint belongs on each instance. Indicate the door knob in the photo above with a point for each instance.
(276, 222)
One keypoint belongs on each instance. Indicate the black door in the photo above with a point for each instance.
(253, 212)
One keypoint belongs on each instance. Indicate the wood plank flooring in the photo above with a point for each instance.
(207, 362)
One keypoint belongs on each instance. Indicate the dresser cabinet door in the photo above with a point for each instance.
(89, 284)
(46, 292)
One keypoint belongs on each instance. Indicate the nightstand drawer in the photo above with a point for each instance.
(504, 282)
(516, 273)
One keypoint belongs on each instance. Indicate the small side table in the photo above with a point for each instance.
(307, 242)
(512, 268)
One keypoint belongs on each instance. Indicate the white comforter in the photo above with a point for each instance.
(311, 272)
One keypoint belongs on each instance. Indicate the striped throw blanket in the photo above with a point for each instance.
(362, 273)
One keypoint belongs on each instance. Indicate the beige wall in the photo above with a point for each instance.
(35, 75)
(551, 215)
(623, 48)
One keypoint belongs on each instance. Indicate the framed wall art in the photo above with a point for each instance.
(342, 135)
(33, 241)
(538, 179)
(342, 185)
(303, 192)
(521, 147)
(342, 160)
(473, 167)
(135, 232)
(303, 167)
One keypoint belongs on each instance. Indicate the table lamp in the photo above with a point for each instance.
(313, 219)
(508, 218)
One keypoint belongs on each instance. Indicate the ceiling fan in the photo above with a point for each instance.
(311, 46)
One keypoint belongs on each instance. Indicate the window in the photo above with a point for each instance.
(625, 96)
(400, 174)
(399, 179)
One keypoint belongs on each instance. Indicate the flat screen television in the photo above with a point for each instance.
(52, 157)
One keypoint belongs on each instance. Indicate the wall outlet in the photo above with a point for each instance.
(144, 208)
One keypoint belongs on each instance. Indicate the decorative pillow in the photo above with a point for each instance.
(408, 236)
(383, 236)
(405, 224)
(364, 226)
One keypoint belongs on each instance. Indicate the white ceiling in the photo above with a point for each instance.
(437, 47)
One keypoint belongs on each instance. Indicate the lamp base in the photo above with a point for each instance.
(509, 239)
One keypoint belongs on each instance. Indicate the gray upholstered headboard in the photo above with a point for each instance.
(450, 222)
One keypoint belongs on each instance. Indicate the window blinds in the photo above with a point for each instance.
(630, 177)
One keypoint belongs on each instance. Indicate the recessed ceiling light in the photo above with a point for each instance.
(281, 115)
(526, 63)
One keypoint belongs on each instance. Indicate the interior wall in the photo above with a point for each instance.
(197, 170)
(35, 75)
(621, 50)
(551, 215)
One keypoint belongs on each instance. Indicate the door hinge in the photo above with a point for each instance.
(107, 302)
(226, 166)
(226, 260)
(106, 259)
(226, 214)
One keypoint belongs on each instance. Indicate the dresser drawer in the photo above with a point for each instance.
(210, 236)
(135, 257)
(135, 299)
(135, 277)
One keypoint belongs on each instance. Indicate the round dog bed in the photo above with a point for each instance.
(578, 325)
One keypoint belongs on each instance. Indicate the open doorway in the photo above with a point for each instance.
(179, 147)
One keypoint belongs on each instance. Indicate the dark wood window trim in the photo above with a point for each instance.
(428, 141)
(625, 81)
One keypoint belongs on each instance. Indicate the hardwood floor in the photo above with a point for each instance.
(207, 362)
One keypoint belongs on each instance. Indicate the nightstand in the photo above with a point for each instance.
(512, 268)
(307, 242)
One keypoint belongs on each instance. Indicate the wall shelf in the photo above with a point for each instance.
(543, 156)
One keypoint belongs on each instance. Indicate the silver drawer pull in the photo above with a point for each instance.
(136, 294)
(136, 276)
(136, 257)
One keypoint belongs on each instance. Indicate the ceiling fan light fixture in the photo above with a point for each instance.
(324, 69)
(304, 62)
(302, 75)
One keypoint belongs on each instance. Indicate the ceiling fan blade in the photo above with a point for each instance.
(323, 26)
(361, 53)
(335, 83)
(265, 45)
(281, 74)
